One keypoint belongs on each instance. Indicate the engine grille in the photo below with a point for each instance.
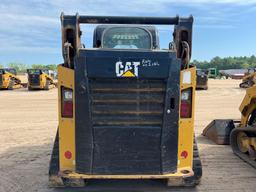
(34, 80)
(127, 102)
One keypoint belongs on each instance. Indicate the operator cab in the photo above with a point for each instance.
(37, 71)
(9, 70)
(126, 37)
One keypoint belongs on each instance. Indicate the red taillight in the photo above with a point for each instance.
(67, 102)
(185, 109)
(186, 103)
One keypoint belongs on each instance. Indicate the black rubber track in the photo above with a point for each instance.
(54, 162)
(197, 168)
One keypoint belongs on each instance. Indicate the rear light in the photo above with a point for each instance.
(186, 103)
(184, 154)
(67, 102)
(68, 155)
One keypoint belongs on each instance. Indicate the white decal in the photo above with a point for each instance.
(149, 63)
(127, 69)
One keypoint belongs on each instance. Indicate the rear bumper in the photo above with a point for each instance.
(182, 177)
(35, 87)
(201, 86)
(181, 173)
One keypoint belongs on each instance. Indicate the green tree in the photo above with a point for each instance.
(51, 67)
(41, 66)
(20, 67)
(37, 66)
(227, 63)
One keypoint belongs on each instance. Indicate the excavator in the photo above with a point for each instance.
(240, 134)
(9, 79)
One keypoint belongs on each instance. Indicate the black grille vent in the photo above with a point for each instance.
(127, 102)
(34, 80)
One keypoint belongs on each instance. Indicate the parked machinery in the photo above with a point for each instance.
(249, 79)
(212, 73)
(241, 135)
(126, 108)
(9, 79)
(201, 79)
(40, 79)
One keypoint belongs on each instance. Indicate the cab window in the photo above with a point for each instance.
(34, 71)
(126, 38)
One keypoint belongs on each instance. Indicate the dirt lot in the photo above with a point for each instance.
(28, 122)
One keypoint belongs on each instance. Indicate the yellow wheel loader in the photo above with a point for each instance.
(9, 79)
(241, 135)
(39, 79)
(126, 107)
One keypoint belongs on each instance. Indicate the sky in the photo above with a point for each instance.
(30, 30)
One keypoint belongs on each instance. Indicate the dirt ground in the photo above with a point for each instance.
(28, 122)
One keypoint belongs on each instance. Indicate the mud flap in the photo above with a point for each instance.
(219, 130)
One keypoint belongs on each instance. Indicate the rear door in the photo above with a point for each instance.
(127, 112)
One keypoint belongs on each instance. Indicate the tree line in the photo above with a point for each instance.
(227, 63)
(22, 68)
(216, 62)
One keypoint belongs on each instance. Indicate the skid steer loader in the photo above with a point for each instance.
(240, 134)
(201, 79)
(9, 79)
(249, 79)
(39, 79)
(126, 108)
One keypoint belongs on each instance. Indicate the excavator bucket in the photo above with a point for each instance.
(219, 130)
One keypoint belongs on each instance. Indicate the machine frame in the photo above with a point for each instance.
(63, 168)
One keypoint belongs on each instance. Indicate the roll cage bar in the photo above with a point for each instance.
(71, 33)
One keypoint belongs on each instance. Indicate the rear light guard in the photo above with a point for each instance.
(66, 102)
(186, 103)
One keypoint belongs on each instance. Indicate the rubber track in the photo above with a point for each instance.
(54, 162)
(249, 131)
(197, 167)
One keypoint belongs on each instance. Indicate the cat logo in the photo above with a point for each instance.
(127, 69)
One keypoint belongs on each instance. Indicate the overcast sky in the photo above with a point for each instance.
(30, 29)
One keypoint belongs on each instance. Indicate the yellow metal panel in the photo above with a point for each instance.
(66, 125)
(248, 104)
(6, 80)
(42, 81)
(186, 125)
(184, 172)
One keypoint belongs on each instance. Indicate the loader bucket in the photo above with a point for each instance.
(219, 130)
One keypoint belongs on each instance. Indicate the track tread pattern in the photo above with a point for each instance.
(197, 168)
(234, 146)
